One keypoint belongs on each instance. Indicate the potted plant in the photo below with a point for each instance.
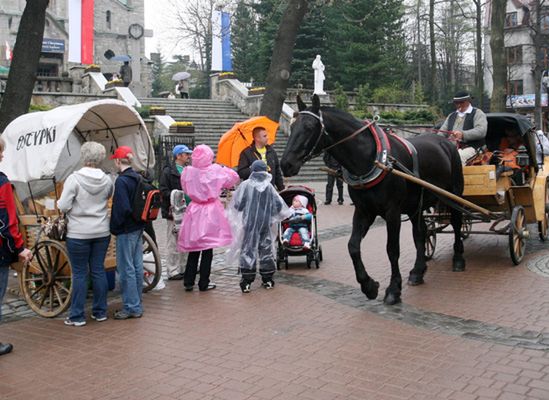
(182, 127)
(157, 110)
(92, 68)
(256, 90)
(114, 83)
(226, 75)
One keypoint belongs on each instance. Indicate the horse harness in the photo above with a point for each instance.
(383, 147)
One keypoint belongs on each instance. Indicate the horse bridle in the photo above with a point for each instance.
(312, 154)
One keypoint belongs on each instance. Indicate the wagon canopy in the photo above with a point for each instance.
(45, 145)
(498, 123)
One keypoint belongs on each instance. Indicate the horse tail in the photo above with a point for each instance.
(457, 173)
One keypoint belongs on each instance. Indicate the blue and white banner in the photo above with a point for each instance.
(221, 41)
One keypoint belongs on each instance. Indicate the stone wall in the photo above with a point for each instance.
(64, 99)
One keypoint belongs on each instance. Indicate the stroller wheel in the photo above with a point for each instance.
(319, 253)
(317, 259)
(286, 260)
(309, 260)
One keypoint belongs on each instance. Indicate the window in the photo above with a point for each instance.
(514, 55)
(515, 88)
(108, 19)
(511, 20)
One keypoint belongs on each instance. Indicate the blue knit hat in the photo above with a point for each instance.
(258, 166)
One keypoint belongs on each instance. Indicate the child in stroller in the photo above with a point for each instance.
(298, 234)
(299, 221)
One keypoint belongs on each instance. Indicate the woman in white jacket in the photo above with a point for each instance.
(84, 200)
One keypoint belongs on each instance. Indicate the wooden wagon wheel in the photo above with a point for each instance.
(466, 227)
(543, 226)
(518, 233)
(152, 264)
(430, 233)
(46, 282)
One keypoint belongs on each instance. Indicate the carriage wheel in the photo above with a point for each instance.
(430, 243)
(466, 227)
(152, 264)
(543, 225)
(46, 281)
(518, 233)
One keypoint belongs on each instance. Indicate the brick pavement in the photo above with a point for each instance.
(298, 341)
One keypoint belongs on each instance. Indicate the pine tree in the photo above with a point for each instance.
(244, 41)
(366, 43)
(311, 40)
(157, 72)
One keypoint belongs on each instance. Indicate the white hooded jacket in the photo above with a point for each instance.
(84, 200)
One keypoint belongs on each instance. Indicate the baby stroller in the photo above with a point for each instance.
(295, 246)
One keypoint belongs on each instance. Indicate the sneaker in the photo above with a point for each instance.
(99, 319)
(327, 203)
(5, 348)
(245, 287)
(176, 277)
(121, 314)
(188, 288)
(210, 286)
(268, 284)
(70, 322)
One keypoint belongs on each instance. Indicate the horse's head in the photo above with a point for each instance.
(305, 137)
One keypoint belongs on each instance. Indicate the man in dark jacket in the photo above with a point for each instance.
(128, 232)
(170, 179)
(333, 164)
(260, 150)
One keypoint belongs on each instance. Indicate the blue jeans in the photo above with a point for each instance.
(303, 232)
(4, 275)
(129, 264)
(88, 257)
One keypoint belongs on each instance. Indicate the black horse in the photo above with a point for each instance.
(357, 147)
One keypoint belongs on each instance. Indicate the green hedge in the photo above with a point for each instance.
(39, 107)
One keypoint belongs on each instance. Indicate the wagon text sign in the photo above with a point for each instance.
(36, 138)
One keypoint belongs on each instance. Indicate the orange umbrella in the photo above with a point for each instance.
(239, 137)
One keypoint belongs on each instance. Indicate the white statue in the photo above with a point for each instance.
(319, 75)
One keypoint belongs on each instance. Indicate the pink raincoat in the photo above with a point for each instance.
(204, 224)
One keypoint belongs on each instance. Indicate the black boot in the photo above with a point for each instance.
(5, 348)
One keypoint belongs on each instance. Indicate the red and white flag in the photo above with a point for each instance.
(81, 31)
(8, 53)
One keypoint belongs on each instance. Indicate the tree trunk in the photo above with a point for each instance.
(280, 68)
(26, 54)
(499, 62)
(538, 68)
(418, 44)
(479, 70)
(433, 76)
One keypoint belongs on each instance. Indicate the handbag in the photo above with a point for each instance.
(55, 228)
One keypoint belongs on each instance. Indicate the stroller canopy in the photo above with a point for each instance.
(46, 145)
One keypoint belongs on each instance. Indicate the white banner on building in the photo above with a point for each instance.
(217, 46)
(75, 31)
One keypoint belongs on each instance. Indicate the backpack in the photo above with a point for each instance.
(146, 201)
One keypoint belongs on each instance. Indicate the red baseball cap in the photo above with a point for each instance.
(122, 152)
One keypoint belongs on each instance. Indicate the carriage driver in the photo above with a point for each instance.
(467, 125)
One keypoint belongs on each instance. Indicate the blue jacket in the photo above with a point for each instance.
(122, 220)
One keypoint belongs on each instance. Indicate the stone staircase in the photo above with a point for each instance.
(212, 118)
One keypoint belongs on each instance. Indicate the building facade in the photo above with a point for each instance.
(119, 29)
(520, 52)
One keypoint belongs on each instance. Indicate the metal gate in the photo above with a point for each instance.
(163, 147)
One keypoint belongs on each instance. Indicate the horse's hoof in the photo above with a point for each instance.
(458, 264)
(370, 289)
(391, 299)
(415, 280)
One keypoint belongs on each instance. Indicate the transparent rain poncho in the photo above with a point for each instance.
(254, 213)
